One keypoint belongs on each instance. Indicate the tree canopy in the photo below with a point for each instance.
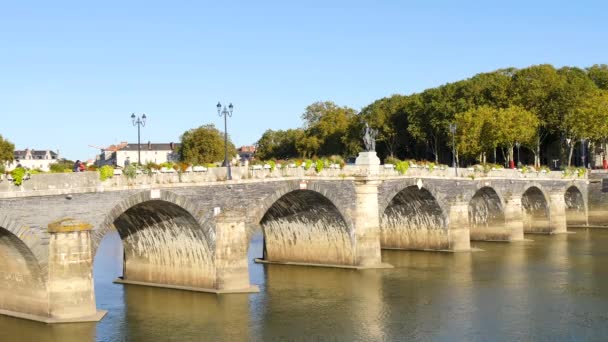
(204, 145)
(541, 107)
(7, 151)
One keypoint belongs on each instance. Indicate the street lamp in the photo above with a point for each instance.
(517, 144)
(453, 131)
(225, 113)
(139, 122)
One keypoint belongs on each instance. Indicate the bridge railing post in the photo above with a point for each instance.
(71, 291)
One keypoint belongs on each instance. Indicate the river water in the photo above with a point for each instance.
(552, 288)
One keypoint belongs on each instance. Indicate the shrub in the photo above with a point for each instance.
(2, 168)
(580, 172)
(319, 165)
(431, 167)
(545, 168)
(36, 172)
(272, 164)
(92, 168)
(130, 171)
(60, 167)
(298, 162)
(307, 164)
(391, 160)
(402, 167)
(18, 174)
(106, 172)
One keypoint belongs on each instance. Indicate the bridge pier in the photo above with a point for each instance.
(514, 219)
(232, 242)
(70, 284)
(458, 227)
(367, 224)
(557, 213)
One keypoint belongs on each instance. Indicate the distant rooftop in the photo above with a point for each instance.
(150, 146)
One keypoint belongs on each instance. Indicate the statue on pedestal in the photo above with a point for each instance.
(369, 138)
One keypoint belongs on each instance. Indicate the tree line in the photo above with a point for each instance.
(543, 109)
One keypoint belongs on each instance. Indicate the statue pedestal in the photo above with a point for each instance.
(368, 163)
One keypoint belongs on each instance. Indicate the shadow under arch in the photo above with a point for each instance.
(23, 283)
(305, 226)
(163, 241)
(576, 208)
(414, 219)
(536, 214)
(486, 216)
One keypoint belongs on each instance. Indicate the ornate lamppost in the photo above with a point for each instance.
(139, 122)
(453, 131)
(225, 113)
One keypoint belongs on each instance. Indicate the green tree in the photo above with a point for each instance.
(389, 116)
(588, 121)
(280, 144)
(514, 124)
(574, 93)
(535, 88)
(476, 132)
(204, 145)
(599, 75)
(7, 151)
(325, 125)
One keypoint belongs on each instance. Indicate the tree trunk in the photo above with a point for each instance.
(570, 155)
(537, 154)
(436, 150)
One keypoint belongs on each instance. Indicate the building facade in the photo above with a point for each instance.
(33, 159)
(125, 153)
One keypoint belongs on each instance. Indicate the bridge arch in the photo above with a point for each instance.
(536, 211)
(486, 215)
(164, 241)
(414, 219)
(305, 225)
(23, 280)
(576, 206)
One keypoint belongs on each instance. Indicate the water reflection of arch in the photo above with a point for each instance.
(23, 279)
(413, 218)
(306, 225)
(486, 215)
(536, 212)
(164, 240)
(576, 206)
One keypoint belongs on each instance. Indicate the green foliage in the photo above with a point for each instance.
(204, 145)
(272, 164)
(391, 160)
(431, 167)
(7, 151)
(307, 164)
(36, 172)
(319, 165)
(106, 172)
(2, 169)
(402, 166)
(278, 144)
(18, 174)
(130, 171)
(325, 125)
(61, 166)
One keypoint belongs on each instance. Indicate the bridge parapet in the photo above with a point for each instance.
(65, 183)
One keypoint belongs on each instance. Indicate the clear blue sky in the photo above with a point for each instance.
(71, 73)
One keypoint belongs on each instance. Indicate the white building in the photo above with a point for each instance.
(33, 159)
(117, 155)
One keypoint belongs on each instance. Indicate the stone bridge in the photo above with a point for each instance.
(192, 231)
